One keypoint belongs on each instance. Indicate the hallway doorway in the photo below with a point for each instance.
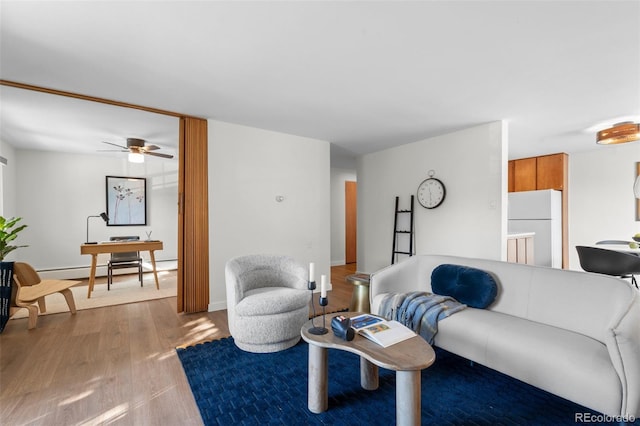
(351, 221)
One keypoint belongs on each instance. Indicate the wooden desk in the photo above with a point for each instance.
(119, 247)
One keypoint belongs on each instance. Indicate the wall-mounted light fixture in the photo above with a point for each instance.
(626, 131)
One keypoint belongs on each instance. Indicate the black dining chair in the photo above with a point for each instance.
(614, 242)
(130, 259)
(609, 262)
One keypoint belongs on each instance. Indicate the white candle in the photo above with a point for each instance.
(323, 286)
(312, 272)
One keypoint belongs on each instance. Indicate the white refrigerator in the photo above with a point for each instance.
(539, 212)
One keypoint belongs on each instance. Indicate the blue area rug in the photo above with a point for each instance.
(232, 387)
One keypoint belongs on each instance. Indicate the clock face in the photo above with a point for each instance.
(431, 193)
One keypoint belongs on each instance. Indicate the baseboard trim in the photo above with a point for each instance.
(217, 306)
(83, 272)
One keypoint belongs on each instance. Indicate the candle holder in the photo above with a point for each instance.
(323, 301)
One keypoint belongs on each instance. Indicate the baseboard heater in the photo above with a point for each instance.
(82, 272)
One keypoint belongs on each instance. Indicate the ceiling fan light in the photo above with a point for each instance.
(135, 157)
(619, 133)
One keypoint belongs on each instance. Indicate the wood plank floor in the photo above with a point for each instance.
(112, 365)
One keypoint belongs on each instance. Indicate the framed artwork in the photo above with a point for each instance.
(126, 201)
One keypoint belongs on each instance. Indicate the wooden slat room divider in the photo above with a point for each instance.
(193, 218)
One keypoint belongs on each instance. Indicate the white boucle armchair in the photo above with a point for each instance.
(267, 301)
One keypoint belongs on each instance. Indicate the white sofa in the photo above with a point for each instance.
(574, 334)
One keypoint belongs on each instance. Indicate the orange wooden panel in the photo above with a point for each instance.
(551, 171)
(511, 177)
(524, 174)
(193, 234)
(351, 221)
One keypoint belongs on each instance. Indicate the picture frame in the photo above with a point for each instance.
(126, 201)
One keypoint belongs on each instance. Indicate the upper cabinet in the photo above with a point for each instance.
(551, 171)
(534, 173)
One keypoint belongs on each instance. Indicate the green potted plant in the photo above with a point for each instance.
(9, 229)
(9, 232)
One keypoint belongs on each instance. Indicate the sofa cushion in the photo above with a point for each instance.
(473, 287)
(272, 301)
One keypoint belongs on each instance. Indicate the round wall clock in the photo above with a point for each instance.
(431, 192)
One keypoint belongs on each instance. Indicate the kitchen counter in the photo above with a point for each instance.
(521, 235)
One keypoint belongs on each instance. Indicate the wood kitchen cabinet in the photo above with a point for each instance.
(551, 171)
(535, 173)
(524, 174)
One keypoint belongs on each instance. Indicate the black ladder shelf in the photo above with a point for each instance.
(398, 214)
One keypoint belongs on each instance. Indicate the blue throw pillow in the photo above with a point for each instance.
(473, 287)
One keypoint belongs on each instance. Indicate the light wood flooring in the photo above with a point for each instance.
(112, 365)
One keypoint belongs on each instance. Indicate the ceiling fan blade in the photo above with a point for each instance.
(151, 147)
(157, 154)
(119, 146)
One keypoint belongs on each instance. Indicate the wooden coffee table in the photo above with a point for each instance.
(406, 358)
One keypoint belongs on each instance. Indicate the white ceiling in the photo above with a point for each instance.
(36, 120)
(362, 75)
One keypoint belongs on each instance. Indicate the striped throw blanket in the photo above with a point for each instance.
(420, 311)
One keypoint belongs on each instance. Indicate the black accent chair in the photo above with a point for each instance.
(609, 262)
(130, 259)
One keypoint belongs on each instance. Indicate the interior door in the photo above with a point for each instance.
(351, 221)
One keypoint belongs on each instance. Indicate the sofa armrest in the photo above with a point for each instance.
(398, 278)
(624, 349)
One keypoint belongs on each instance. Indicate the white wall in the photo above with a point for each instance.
(338, 178)
(7, 181)
(601, 201)
(472, 164)
(248, 169)
(55, 192)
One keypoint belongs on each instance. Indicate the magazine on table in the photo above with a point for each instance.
(381, 331)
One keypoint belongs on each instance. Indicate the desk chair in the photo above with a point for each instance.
(609, 262)
(130, 259)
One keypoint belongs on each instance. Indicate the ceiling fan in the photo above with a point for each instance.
(138, 146)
